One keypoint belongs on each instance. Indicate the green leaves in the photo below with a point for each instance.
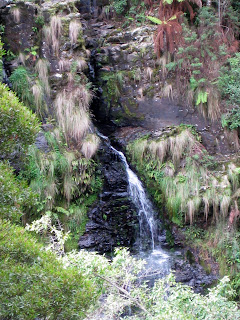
(158, 21)
(18, 125)
(35, 284)
(202, 97)
(15, 196)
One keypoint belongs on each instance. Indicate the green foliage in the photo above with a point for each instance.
(20, 79)
(192, 190)
(155, 20)
(15, 196)
(59, 175)
(34, 284)
(2, 53)
(231, 120)
(113, 85)
(120, 6)
(201, 97)
(165, 300)
(39, 20)
(18, 126)
(229, 80)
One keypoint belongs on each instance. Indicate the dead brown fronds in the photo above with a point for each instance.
(74, 29)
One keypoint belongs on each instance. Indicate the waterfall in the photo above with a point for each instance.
(158, 259)
(144, 206)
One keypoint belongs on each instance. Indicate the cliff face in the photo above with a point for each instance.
(66, 45)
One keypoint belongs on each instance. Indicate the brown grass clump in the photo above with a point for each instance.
(42, 70)
(74, 29)
(53, 33)
(16, 13)
(90, 145)
(72, 112)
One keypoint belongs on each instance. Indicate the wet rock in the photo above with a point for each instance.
(4, 3)
(112, 222)
(193, 275)
(41, 142)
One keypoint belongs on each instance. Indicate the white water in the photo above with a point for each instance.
(141, 201)
(157, 259)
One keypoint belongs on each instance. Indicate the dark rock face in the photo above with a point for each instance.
(113, 221)
(193, 275)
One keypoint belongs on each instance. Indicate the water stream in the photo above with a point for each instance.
(149, 240)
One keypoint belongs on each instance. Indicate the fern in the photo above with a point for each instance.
(201, 97)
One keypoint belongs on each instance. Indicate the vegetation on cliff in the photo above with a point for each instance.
(196, 46)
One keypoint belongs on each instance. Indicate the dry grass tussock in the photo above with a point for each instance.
(16, 13)
(168, 91)
(149, 73)
(90, 145)
(38, 95)
(53, 33)
(81, 64)
(74, 29)
(64, 65)
(191, 186)
(72, 114)
(42, 67)
(22, 58)
(232, 137)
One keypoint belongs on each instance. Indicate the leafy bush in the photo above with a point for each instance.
(15, 196)
(231, 120)
(20, 80)
(18, 126)
(34, 284)
(120, 6)
(229, 80)
(166, 300)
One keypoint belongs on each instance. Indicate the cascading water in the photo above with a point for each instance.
(157, 258)
(143, 204)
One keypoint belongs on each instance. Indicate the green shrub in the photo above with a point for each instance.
(229, 80)
(20, 79)
(15, 196)
(18, 126)
(120, 6)
(34, 284)
(231, 120)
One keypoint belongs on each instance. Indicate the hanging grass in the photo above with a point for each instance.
(174, 166)
(74, 30)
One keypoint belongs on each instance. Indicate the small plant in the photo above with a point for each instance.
(39, 21)
(21, 82)
(120, 6)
